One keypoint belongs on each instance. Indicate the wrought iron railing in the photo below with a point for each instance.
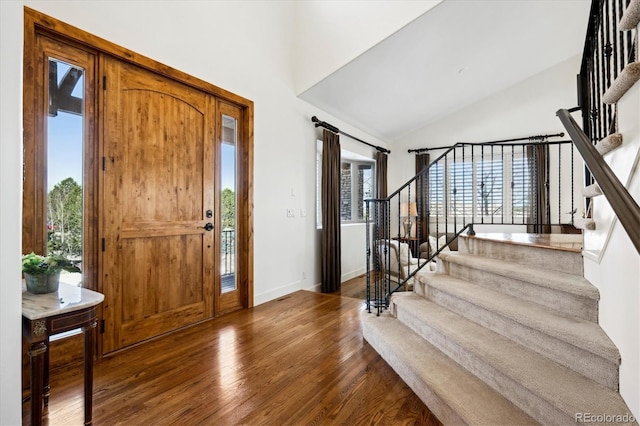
(606, 52)
(622, 203)
(527, 185)
(228, 259)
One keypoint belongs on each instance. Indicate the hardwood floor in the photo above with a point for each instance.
(296, 360)
(355, 287)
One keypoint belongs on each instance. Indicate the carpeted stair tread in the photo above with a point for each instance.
(609, 143)
(591, 191)
(584, 223)
(583, 334)
(562, 391)
(560, 255)
(568, 283)
(631, 16)
(629, 75)
(450, 387)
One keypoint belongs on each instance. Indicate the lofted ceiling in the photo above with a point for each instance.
(456, 54)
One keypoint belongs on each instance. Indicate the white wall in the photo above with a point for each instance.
(10, 212)
(353, 246)
(329, 34)
(246, 50)
(611, 261)
(249, 51)
(525, 109)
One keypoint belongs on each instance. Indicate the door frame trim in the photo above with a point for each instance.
(36, 23)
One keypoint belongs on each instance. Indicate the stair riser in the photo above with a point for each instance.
(442, 411)
(580, 360)
(555, 260)
(517, 393)
(561, 302)
(538, 408)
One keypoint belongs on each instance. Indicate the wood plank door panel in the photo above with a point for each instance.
(158, 184)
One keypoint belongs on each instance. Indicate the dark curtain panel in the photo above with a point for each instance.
(422, 226)
(539, 209)
(381, 215)
(381, 174)
(330, 245)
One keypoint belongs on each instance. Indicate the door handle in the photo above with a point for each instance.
(208, 226)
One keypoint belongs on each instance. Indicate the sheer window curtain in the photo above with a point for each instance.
(330, 240)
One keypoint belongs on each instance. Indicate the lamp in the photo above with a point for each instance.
(408, 210)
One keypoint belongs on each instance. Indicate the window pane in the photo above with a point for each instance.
(345, 192)
(461, 187)
(489, 187)
(365, 188)
(521, 188)
(65, 143)
(228, 205)
(436, 190)
(357, 184)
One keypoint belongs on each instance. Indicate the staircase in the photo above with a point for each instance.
(503, 333)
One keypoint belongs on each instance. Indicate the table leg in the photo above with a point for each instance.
(36, 356)
(88, 371)
(46, 389)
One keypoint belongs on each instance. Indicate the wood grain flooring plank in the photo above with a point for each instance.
(297, 360)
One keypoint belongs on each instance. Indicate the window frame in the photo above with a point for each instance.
(35, 189)
(356, 160)
(355, 165)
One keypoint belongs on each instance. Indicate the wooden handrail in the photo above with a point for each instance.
(623, 204)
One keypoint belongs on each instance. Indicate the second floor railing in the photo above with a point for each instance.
(527, 186)
(624, 206)
(606, 52)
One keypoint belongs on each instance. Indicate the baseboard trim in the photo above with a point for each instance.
(274, 293)
(349, 275)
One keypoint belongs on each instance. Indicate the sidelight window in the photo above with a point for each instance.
(65, 153)
(228, 245)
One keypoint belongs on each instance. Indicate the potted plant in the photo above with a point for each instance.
(42, 273)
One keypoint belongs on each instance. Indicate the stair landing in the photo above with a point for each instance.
(562, 242)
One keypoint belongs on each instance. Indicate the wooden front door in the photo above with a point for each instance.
(158, 202)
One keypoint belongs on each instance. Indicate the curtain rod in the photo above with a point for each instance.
(528, 138)
(334, 129)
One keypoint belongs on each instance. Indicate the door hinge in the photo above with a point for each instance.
(102, 326)
(104, 163)
(104, 243)
(104, 82)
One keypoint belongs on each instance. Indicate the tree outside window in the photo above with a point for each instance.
(64, 225)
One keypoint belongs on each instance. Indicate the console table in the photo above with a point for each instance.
(44, 315)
